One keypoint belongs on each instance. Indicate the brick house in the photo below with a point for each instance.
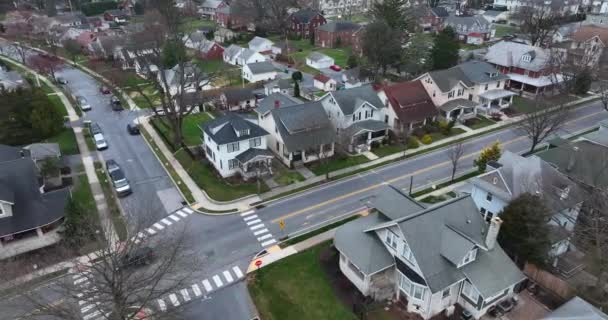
(338, 33)
(232, 17)
(305, 22)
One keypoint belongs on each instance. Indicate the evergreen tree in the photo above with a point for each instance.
(444, 53)
(379, 46)
(296, 89)
(395, 13)
(352, 61)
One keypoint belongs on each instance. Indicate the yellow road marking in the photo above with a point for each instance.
(344, 196)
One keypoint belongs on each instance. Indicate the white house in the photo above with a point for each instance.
(318, 60)
(236, 145)
(429, 258)
(515, 175)
(188, 78)
(209, 7)
(195, 40)
(354, 77)
(324, 82)
(238, 99)
(248, 56)
(358, 115)
(232, 53)
(259, 44)
(463, 90)
(259, 71)
(566, 7)
(283, 86)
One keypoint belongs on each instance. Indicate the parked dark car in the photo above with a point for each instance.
(119, 180)
(61, 80)
(139, 257)
(133, 129)
(95, 128)
(116, 104)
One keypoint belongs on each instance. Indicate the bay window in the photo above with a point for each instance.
(411, 289)
(469, 291)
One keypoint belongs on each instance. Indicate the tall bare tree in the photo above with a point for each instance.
(45, 64)
(538, 22)
(454, 154)
(604, 94)
(269, 15)
(21, 34)
(543, 121)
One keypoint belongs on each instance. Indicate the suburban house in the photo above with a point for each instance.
(355, 77)
(565, 31)
(598, 19)
(527, 67)
(210, 50)
(11, 80)
(496, 15)
(29, 217)
(331, 8)
(323, 82)
(259, 44)
(231, 54)
(430, 258)
(408, 106)
(588, 46)
(116, 15)
(283, 86)
(357, 114)
(514, 175)
(463, 90)
(259, 71)
(209, 8)
(432, 19)
(282, 47)
(233, 17)
(194, 40)
(237, 55)
(42, 151)
(238, 99)
(304, 22)
(470, 29)
(576, 308)
(70, 19)
(223, 35)
(236, 145)
(299, 133)
(191, 80)
(337, 33)
(319, 60)
(275, 100)
(134, 58)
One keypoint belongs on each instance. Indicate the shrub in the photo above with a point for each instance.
(419, 132)
(427, 139)
(412, 143)
(446, 127)
(375, 144)
(430, 127)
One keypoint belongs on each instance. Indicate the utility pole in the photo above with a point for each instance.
(411, 184)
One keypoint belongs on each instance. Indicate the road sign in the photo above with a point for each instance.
(258, 263)
(282, 224)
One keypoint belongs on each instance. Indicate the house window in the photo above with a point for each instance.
(356, 270)
(232, 147)
(451, 94)
(232, 163)
(255, 142)
(469, 257)
(445, 293)
(277, 146)
(489, 216)
(359, 116)
(433, 94)
(486, 87)
(483, 212)
(470, 291)
(391, 239)
(498, 84)
(407, 253)
(460, 92)
(489, 197)
(221, 166)
(371, 113)
(411, 289)
(354, 117)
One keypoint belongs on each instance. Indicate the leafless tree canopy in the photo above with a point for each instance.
(455, 152)
(544, 121)
(270, 15)
(538, 23)
(604, 94)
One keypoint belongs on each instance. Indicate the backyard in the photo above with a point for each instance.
(193, 24)
(503, 30)
(190, 128)
(304, 48)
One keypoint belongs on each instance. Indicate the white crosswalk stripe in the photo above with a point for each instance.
(92, 315)
(261, 225)
(158, 226)
(228, 276)
(174, 218)
(151, 231)
(162, 305)
(188, 210)
(80, 280)
(264, 237)
(183, 215)
(260, 232)
(237, 271)
(174, 300)
(185, 294)
(267, 243)
(218, 281)
(196, 290)
(246, 213)
(207, 285)
(256, 221)
(166, 221)
(247, 218)
(86, 308)
(141, 235)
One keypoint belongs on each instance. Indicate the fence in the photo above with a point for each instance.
(549, 281)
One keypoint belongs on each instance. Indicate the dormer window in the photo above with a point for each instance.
(243, 132)
(407, 253)
(471, 255)
(526, 58)
(564, 193)
(391, 239)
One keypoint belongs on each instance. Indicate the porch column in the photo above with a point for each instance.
(39, 232)
(489, 105)
(448, 115)
(369, 137)
(536, 91)
(510, 99)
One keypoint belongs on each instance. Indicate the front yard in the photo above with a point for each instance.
(190, 129)
(336, 163)
(478, 123)
(503, 30)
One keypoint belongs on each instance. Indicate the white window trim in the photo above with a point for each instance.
(2, 211)
(412, 287)
(469, 257)
(391, 239)
(471, 290)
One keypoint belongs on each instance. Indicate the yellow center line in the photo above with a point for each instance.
(438, 165)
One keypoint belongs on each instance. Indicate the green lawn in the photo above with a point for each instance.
(296, 288)
(523, 105)
(212, 66)
(340, 55)
(336, 163)
(285, 177)
(149, 91)
(57, 104)
(190, 129)
(503, 30)
(439, 136)
(388, 149)
(212, 184)
(193, 24)
(83, 195)
(433, 199)
(67, 142)
(479, 122)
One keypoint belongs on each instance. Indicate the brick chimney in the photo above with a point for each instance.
(277, 104)
(493, 232)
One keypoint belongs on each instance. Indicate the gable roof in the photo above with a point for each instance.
(212, 4)
(440, 12)
(305, 15)
(585, 33)
(247, 53)
(260, 67)
(576, 308)
(351, 99)
(322, 78)
(509, 54)
(468, 21)
(303, 126)
(272, 100)
(238, 94)
(233, 51)
(410, 101)
(316, 56)
(226, 129)
(339, 26)
(43, 150)
(258, 41)
(8, 153)
(469, 73)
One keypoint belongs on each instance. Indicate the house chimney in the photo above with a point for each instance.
(572, 159)
(277, 104)
(493, 232)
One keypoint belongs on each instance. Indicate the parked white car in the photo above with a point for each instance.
(83, 103)
(100, 141)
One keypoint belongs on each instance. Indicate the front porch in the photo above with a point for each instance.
(255, 163)
(360, 135)
(459, 110)
(494, 101)
(531, 87)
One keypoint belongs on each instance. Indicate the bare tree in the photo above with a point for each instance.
(538, 23)
(604, 94)
(118, 281)
(73, 48)
(543, 121)
(45, 64)
(269, 15)
(21, 34)
(455, 153)
(323, 154)
(572, 72)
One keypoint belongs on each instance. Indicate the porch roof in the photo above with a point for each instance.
(537, 82)
(365, 126)
(497, 94)
(253, 154)
(458, 103)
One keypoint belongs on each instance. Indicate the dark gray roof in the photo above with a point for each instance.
(363, 249)
(339, 26)
(224, 129)
(576, 308)
(600, 137)
(239, 94)
(472, 23)
(270, 102)
(43, 150)
(350, 99)
(253, 153)
(261, 67)
(305, 15)
(8, 153)
(303, 126)
(470, 73)
(453, 104)
(440, 12)
(509, 54)
(366, 126)
(31, 209)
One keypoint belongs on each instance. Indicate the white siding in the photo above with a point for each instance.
(360, 280)
(480, 198)
(220, 157)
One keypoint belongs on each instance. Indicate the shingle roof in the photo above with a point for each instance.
(318, 56)
(456, 103)
(258, 41)
(576, 308)
(322, 78)
(440, 12)
(303, 126)
(43, 150)
(339, 26)
(233, 51)
(261, 67)
(472, 23)
(270, 102)
(8, 153)
(31, 209)
(350, 99)
(305, 15)
(587, 32)
(509, 54)
(365, 126)
(410, 101)
(226, 129)
(246, 54)
(238, 95)
(469, 73)
(253, 153)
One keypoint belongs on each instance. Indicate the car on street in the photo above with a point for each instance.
(116, 104)
(100, 141)
(104, 90)
(138, 257)
(61, 80)
(83, 103)
(335, 68)
(133, 129)
(119, 180)
(94, 128)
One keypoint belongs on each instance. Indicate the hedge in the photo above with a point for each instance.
(95, 8)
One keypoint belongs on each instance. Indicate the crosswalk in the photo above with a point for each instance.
(200, 289)
(88, 302)
(164, 223)
(255, 224)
